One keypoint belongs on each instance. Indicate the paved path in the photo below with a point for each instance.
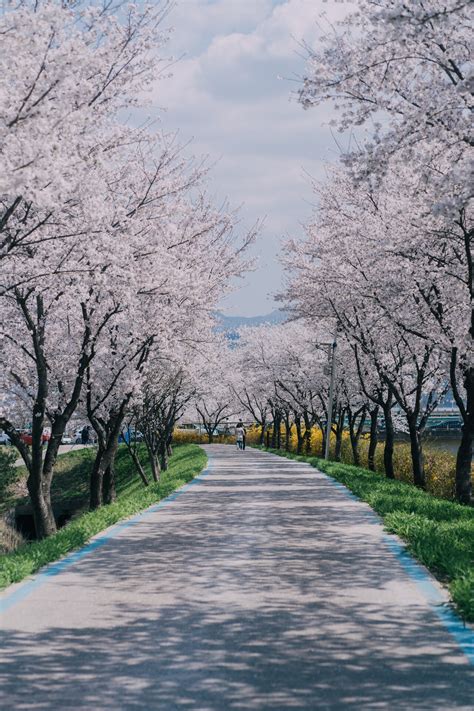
(262, 586)
(63, 449)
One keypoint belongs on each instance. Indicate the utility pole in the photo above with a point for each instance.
(331, 397)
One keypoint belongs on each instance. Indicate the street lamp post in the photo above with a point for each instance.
(331, 398)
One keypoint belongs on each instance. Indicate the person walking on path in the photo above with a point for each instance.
(85, 435)
(240, 435)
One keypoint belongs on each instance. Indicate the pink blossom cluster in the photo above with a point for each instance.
(113, 257)
(389, 254)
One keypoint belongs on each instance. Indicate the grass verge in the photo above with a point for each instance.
(439, 533)
(186, 462)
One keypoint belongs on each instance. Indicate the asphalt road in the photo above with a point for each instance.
(261, 586)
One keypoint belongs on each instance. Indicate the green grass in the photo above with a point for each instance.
(71, 479)
(132, 497)
(438, 532)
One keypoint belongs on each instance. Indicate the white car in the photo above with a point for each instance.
(4, 438)
(66, 439)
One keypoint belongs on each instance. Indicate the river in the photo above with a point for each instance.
(447, 444)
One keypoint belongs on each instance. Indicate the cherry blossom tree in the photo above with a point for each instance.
(164, 400)
(132, 256)
(214, 402)
(403, 70)
(66, 70)
(51, 331)
(287, 363)
(175, 281)
(254, 379)
(349, 265)
(402, 66)
(249, 380)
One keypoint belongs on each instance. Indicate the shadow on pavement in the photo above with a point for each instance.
(249, 592)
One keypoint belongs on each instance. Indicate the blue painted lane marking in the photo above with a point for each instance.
(462, 634)
(9, 600)
(453, 623)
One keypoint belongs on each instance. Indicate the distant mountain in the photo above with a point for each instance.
(233, 323)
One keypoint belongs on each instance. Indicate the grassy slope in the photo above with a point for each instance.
(71, 480)
(439, 533)
(186, 462)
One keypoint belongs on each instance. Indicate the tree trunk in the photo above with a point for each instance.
(274, 441)
(389, 440)
(355, 451)
(138, 464)
(416, 453)
(299, 436)
(163, 457)
(40, 496)
(352, 437)
(355, 431)
(323, 441)
(169, 448)
(339, 431)
(338, 449)
(103, 472)
(102, 481)
(41, 475)
(287, 434)
(39, 483)
(155, 468)
(278, 432)
(109, 494)
(464, 465)
(97, 474)
(307, 434)
(464, 455)
(373, 438)
(39, 479)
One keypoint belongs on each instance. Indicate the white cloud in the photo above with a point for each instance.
(227, 95)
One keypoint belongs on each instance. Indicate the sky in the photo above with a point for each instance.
(232, 91)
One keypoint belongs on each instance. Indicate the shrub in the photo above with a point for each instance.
(440, 467)
(8, 471)
(10, 538)
(195, 437)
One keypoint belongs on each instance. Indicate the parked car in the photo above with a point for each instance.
(67, 439)
(27, 437)
(4, 438)
(130, 435)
